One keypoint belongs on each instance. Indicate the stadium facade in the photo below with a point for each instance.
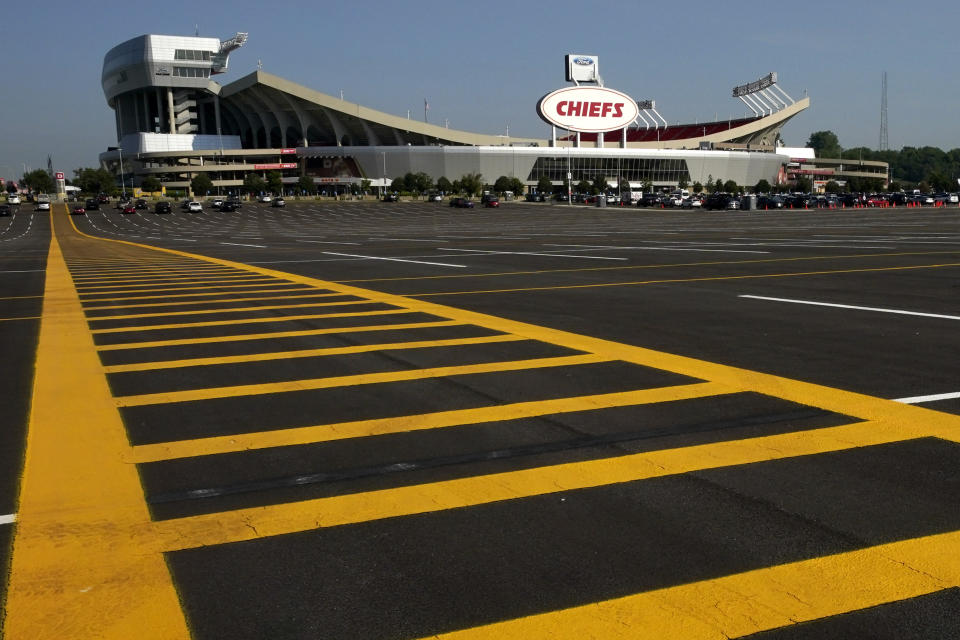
(174, 121)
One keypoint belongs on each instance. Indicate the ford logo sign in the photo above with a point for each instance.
(582, 60)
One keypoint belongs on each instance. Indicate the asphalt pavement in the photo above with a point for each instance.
(404, 420)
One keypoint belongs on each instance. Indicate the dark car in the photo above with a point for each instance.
(462, 203)
(229, 205)
(492, 202)
(279, 202)
(92, 204)
(123, 204)
(78, 211)
(649, 200)
(770, 202)
(129, 208)
(162, 207)
(103, 198)
(5, 210)
(140, 204)
(391, 197)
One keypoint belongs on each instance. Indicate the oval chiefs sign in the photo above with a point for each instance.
(588, 109)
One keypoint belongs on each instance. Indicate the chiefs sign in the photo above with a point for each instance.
(588, 109)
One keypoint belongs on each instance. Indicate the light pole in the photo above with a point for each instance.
(383, 185)
(123, 188)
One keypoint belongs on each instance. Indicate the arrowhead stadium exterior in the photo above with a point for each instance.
(173, 122)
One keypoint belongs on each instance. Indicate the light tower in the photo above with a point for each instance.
(884, 134)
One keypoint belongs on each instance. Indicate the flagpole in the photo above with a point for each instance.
(426, 106)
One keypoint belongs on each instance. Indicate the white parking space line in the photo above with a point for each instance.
(236, 244)
(528, 253)
(405, 239)
(658, 248)
(931, 398)
(328, 242)
(855, 308)
(437, 264)
(10, 518)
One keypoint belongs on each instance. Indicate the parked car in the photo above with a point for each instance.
(492, 202)
(129, 208)
(279, 202)
(185, 205)
(13, 198)
(78, 211)
(265, 198)
(770, 202)
(462, 203)
(649, 200)
(140, 204)
(5, 210)
(103, 198)
(535, 197)
(216, 203)
(229, 205)
(92, 204)
(162, 207)
(122, 204)
(391, 197)
(195, 207)
(561, 197)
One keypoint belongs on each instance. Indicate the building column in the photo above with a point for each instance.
(173, 126)
(159, 121)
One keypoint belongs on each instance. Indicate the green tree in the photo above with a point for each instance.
(825, 144)
(421, 183)
(472, 183)
(94, 181)
(444, 185)
(253, 183)
(697, 187)
(399, 184)
(718, 186)
(762, 186)
(832, 187)
(940, 181)
(730, 186)
(275, 182)
(802, 184)
(11, 188)
(502, 185)
(456, 186)
(545, 185)
(151, 184)
(306, 184)
(201, 185)
(365, 186)
(583, 187)
(38, 181)
(600, 185)
(682, 183)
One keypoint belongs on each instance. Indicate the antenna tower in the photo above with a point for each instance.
(884, 133)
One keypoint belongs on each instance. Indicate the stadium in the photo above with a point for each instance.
(174, 122)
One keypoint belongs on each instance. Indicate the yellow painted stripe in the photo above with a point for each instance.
(161, 279)
(223, 323)
(253, 283)
(278, 334)
(438, 420)
(79, 569)
(305, 353)
(750, 602)
(280, 519)
(197, 312)
(303, 296)
(119, 288)
(86, 301)
(681, 280)
(347, 381)
(154, 274)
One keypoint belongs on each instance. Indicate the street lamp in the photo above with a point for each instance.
(123, 188)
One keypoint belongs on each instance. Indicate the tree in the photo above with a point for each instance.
(682, 183)
(420, 182)
(201, 184)
(730, 186)
(825, 144)
(253, 183)
(456, 186)
(832, 187)
(11, 188)
(718, 186)
(38, 181)
(804, 185)
(583, 187)
(399, 184)
(444, 185)
(600, 185)
(471, 183)
(94, 181)
(762, 186)
(306, 184)
(365, 185)
(502, 185)
(697, 187)
(151, 184)
(545, 185)
(275, 182)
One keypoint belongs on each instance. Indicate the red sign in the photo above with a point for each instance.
(287, 151)
(276, 165)
(59, 175)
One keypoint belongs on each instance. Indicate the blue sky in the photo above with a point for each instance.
(484, 65)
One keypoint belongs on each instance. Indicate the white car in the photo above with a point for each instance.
(13, 199)
(194, 207)
(43, 206)
(216, 202)
(265, 199)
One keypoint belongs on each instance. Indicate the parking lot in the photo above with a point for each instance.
(404, 420)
